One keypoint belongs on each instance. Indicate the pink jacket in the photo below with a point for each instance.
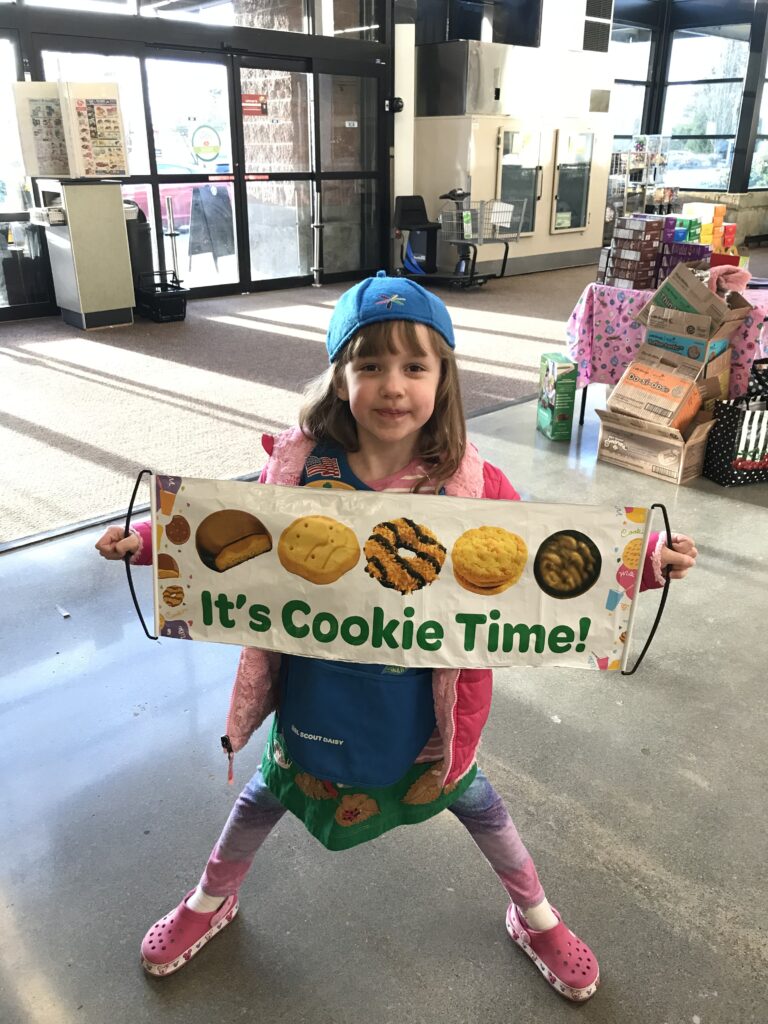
(462, 698)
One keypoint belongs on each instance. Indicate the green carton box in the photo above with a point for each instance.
(557, 396)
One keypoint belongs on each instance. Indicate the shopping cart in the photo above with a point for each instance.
(468, 225)
(460, 222)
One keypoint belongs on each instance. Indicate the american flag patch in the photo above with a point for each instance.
(325, 466)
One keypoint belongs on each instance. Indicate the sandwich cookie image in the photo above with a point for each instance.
(230, 537)
(318, 549)
(488, 559)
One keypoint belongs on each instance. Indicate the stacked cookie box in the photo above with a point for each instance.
(673, 253)
(632, 258)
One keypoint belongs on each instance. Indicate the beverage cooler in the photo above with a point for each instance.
(465, 138)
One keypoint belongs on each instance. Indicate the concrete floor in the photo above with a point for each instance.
(642, 799)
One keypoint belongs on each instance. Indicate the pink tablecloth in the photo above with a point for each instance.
(604, 335)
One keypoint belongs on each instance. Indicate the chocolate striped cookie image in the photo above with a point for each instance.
(404, 556)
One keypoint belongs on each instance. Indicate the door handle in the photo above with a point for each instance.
(539, 181)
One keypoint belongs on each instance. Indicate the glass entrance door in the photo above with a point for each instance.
(310, 169)
(277, 139)
(350, 188)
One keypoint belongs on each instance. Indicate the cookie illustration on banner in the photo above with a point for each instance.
(318, 549)
(420, 565)
(632, 552)
(167, 567)
(178, 531)
(567, 564)
(331, 485)
(636, 515)
(230, 537)
(488, 559)
(176, 628)
(173, 596)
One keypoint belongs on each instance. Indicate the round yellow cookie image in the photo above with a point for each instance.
(631, 554)
(488, 559)
(318, 549)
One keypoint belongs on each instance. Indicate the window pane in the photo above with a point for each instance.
(282, 16)
(350, 19)
(126, 72)
(758, 176)
(630, 52)
(762, 124)
(279, 228)
(11, 166)
(190, 116)
(705, 53)
(203, 216)
(701, 109)
(351, 233)
(276, 112)
(699, 163)
(347, 123)
(627, 108)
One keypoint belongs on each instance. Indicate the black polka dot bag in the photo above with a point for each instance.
(737, 447)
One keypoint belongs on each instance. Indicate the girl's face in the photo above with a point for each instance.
(392, 395)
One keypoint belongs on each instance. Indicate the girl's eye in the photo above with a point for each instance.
(416, 368)
(368, 368)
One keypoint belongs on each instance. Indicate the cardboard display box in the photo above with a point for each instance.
(661, 452)
(716, 381)
(658, 388)
(557, 396)
(685, 334)
(683, 291)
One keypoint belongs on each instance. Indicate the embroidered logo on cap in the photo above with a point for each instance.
(391, 300)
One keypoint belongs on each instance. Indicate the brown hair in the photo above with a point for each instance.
(443, 438)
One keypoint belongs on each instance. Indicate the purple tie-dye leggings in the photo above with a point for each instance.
(480, 810)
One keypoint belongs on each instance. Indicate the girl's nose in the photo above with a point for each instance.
(392, 384)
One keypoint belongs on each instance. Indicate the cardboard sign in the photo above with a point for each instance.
(397, 579)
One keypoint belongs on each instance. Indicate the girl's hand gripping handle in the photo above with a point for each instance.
(114, 545)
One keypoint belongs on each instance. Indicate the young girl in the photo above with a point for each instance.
(387, 415)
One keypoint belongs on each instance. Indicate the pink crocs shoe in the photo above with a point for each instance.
(173, 940)
(568, 964)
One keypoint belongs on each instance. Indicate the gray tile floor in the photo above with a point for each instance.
(642, 799)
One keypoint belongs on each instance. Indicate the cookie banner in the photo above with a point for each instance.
(396, 579)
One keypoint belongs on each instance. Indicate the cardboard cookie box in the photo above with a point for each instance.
(557, 396)
(684, 291)
(686, 334)
(673, 453)
(662, 452)
(658, 388)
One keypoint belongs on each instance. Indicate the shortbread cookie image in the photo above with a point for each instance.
(488, 559)
(230, 537)
(567, 564)
(631, 554)
(318, 549)
(419, 566)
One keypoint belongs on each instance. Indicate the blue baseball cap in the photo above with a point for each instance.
(381, 298)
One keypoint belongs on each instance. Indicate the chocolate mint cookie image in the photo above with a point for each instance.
(230, 537)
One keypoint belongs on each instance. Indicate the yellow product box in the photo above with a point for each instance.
(659, 388)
